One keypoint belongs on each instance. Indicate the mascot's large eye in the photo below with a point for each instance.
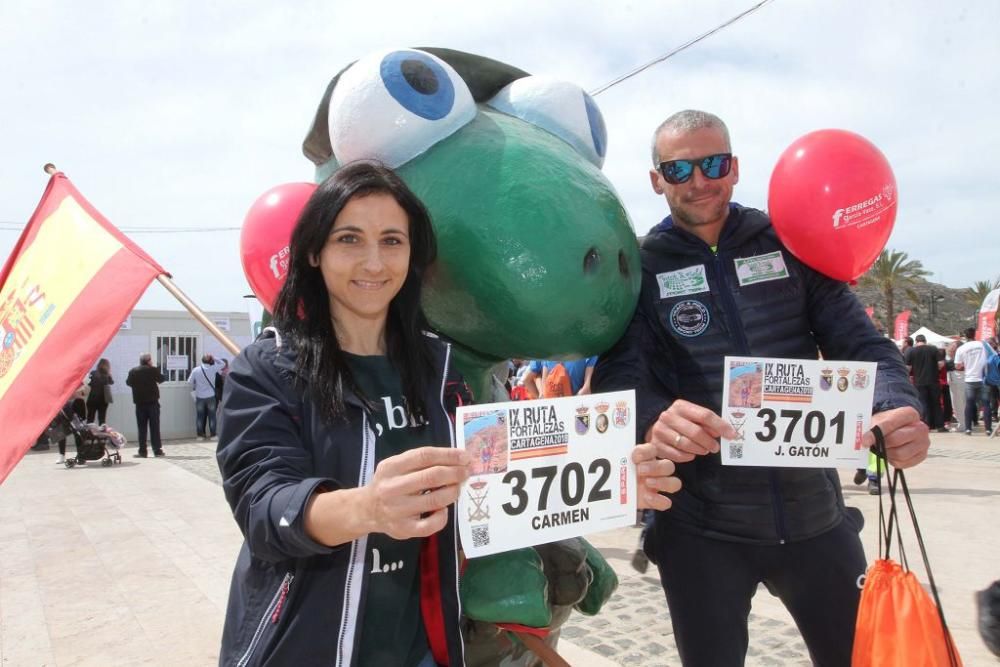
(562, 108)
(394, 106)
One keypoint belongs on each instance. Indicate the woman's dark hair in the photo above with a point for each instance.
(302, 309)
(104, 366)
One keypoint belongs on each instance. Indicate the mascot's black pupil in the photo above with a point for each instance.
(420, 77)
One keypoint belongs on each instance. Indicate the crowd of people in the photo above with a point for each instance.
(951, 383)
(90, 401)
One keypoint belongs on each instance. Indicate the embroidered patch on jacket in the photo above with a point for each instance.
(689, 318)
(760, 268)
(691, 280)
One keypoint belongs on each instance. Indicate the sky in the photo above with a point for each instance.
(177, 115)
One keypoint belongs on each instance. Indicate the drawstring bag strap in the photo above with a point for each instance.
(887, 520)
(896, 479)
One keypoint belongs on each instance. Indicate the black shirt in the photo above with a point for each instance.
(924, 361)
(144, 381)
(392, 630)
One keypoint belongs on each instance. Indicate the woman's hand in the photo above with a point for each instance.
(409, 494)
(654, 475)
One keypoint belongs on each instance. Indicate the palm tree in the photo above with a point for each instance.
(974, 295)
(894, 270)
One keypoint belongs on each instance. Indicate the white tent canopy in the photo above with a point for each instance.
(932, 337)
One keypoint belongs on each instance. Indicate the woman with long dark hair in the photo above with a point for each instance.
(100, 392)
(336, 447)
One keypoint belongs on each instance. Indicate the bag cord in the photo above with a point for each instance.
(894, 479)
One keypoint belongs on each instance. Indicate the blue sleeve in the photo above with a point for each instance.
(591, 362)
(535, 367)
(844, 331)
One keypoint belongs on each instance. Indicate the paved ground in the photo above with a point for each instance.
(130, 565)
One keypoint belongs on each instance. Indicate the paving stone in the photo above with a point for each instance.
(160, 513)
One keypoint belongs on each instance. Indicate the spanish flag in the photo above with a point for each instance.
(69, 283)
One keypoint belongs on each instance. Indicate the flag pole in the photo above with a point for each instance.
(182, 297)
(198, 314)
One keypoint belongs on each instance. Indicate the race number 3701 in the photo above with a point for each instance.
(795, 425)
(575, 484)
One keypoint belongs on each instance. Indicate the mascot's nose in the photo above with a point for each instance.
(622, 263)
(592, 261)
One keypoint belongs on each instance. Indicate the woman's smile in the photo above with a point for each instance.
(370, 284)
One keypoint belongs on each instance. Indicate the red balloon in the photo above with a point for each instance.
(833, 202)
(267, 230)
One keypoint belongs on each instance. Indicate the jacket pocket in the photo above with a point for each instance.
(269, 618)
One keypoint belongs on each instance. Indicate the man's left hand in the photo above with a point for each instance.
(654, 475)
(906, 437)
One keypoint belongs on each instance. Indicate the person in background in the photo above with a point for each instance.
(994, 390)
(905, 348)
(971, 358)
(947, 410)
(580, 372)
(956, 385)
(100, 382)
(202, 380)
(68, 412)
(79, 400)
(145, 380)
(220, 380)
(925, 369)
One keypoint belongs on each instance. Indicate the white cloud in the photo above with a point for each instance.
(182, 114)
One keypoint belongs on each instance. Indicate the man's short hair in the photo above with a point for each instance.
(908, 340)
(145, 358)
(921, 338)
(206, 359)
(970, 333)
(686, 121)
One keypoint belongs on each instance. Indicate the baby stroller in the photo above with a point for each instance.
(93, 443)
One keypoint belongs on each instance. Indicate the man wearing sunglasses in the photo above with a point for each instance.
(717, 281)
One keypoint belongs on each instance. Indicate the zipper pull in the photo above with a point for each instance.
(281, 600)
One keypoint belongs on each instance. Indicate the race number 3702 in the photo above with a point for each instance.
(575, 484)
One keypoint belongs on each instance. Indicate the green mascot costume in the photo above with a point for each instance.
(537, 259)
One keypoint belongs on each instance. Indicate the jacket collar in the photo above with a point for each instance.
(285, 355)
(741, 224)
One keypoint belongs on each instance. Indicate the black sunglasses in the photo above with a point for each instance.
(715, 166)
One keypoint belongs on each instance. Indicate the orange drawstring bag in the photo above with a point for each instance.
(898, 624)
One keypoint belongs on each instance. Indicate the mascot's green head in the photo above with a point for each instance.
(536, 255)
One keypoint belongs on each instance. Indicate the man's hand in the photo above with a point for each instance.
(685, 430)
(906, 437)
(653, 476)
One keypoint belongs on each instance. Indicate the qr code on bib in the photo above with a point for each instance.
(735, 450)
(480, 536)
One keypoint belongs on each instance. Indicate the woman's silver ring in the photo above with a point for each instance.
(677, 440)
